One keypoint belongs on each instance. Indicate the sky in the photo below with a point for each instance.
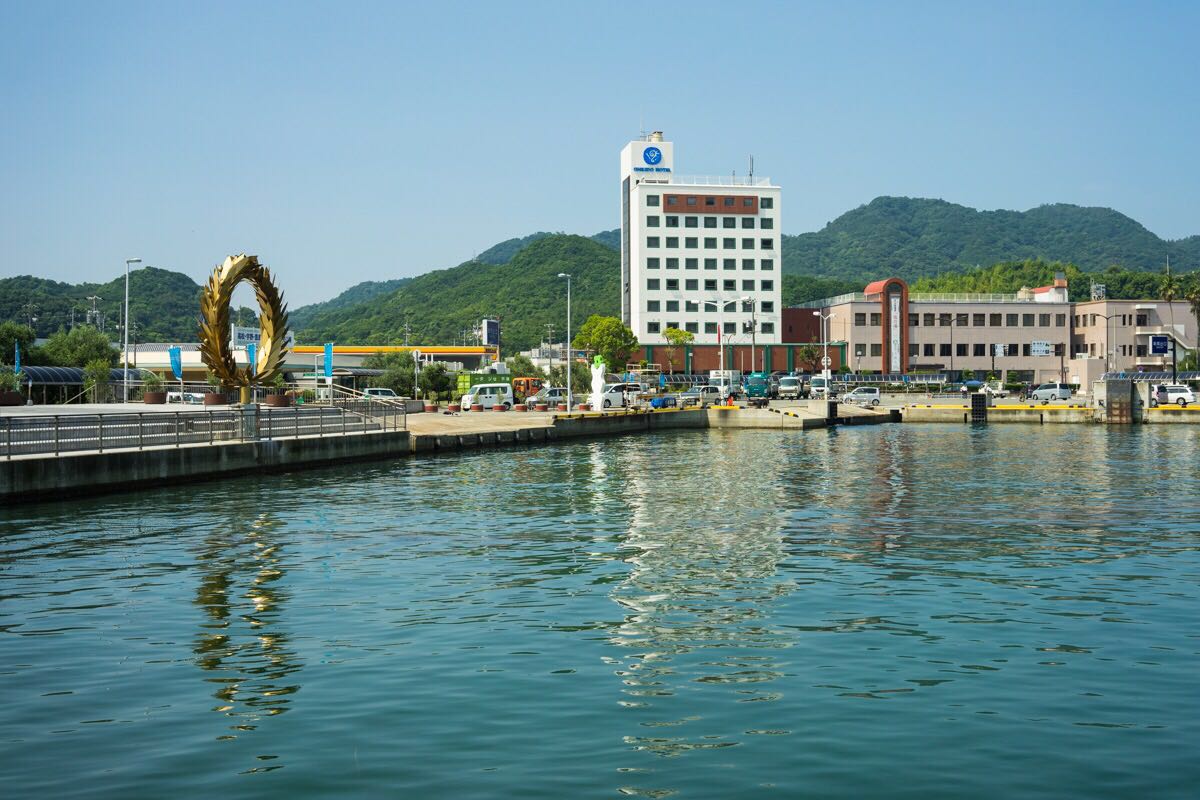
(352, 141)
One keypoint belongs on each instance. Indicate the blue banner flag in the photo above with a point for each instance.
(17, 357)
(252, 357)
(176, 355)
(329, 359)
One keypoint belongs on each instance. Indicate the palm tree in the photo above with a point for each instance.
(1191, 293)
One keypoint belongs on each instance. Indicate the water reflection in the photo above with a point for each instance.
(241, 642)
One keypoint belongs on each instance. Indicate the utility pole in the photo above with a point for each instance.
(31, 311)
(406, 330)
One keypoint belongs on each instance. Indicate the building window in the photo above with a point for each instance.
(914, 350)
(651, 222)
(928, 349)
(691, 242)
(710, 285)
(747, 263)
(1061, 320)
(710, 243)
(944, 320)
(767, 244)
(729, 327)
(710, 327)
(710, 222)
(1140, 322)
(672, 222)
(728, 201)
(979, 349)
(1011, 320)
(768, 306)
(710, 201)
(860, 319)
(1010, 349)
(730, 286)
(747, 202)
(710, 263)
(747, 222)
(766, 223)
(691, 263)
(672, 241)
(691, 201)
(766, 202)
(691, 306)
(672, 305)
(929, 322)
(652, 262)
(767, 264)
(1058, 349)
(652, 305)
(652, 327)
(672, 263)
(729, 222)
(691, 284)
(747, 244)
(994, 320)
(913, 319)
(961, 320)
(960, 349)
(876, 320)
(672, 200)
(876, 349)
(729, 244)
(651, 241)
(944, 349)
(1027, 320)
(767, 286)
(1025, 349)
(652, 200)
(977, 320)
(767, 327)
(748, 285)
(652, 284)
(1043, 320)
(693, 327)
(1141, 350)
(729, 263)
(672, 284)
(691, 222)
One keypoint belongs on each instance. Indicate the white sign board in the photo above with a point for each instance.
(1039, 349)
(895, 339)
(826, 361)
(1000, 349)
(240, 336)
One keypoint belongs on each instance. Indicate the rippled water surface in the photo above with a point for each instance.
(898, 611)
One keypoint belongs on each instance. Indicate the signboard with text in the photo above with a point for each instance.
(1040, 349)
(1159, 345)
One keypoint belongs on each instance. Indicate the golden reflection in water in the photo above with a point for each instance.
(698, 597)
(240, 641)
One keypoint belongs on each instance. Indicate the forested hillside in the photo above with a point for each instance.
(1009, 276)
(358, 293)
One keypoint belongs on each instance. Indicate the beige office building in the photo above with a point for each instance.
(1116, 335)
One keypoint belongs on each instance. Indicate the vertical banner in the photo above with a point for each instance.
(329, 360)
(251, 357)
(176, 356)
(894, 343)
(17, 357)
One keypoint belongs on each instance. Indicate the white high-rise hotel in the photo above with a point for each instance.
(697, 252)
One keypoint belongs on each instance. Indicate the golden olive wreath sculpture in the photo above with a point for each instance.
(215, 349)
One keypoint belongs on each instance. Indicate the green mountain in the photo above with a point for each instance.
(503, 252)
(1009, 276)
(525, 294)
(358, 293)
(912, 238)
(163, 305)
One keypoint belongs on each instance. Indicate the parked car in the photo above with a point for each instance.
(621, 394)
(817, 388)
(790, 388)
(489, 395)
(185, 397)
(380, 393)
(1178, 394)
(757, 387)
(1051, 391)
(863, 396)
(995, 389)
(705, 395)
(550, 395)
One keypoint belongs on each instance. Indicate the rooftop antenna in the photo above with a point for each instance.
(751, 165)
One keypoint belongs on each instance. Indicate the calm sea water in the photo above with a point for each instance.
(896, 611)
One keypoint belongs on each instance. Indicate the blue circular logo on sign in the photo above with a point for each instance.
(652, 155)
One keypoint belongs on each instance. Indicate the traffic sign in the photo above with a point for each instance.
(1039, 348)
(1000, 349)
(1158, 345)
(826, 361)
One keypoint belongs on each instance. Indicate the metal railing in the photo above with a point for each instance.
(720, 180)
(54, 434)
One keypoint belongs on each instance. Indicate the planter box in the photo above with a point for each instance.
(454, 408)
(477, 407)
(278, 400)
(520, 407)
(154, 398)
(499, 408)
(12, 399)
(216, 399)
(583, 407)
(431, 408)
(542, 407)
(562, 406)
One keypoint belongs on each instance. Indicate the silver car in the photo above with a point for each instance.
(1051, 391)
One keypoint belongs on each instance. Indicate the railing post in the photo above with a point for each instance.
(141, 429)
(177, 421)
(210, 427)
(296, 426)
(55, 432)
(100, 433)
(343, 422)
(8, 438)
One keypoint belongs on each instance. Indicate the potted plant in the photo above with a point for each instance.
(431, 403)
(10, 388)
(153, 393)
(215, 396)
(278, 396)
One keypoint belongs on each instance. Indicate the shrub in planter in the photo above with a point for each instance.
(278, 397)
(152, 389)
(10, 388)
(216, 395)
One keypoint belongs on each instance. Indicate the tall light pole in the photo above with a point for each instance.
(125, 347)
(570, 361)
(1108, 354)
(720, 306)
(825, 337)
(753, 330)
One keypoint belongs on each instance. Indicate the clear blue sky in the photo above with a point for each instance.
(347, 141)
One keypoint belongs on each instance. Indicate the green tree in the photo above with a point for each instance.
(676, 339)
(808, 356)
(398, 371)
(95, 378)
(610, 338)
(581, 378)
(11, 334)
(522, 367)
(434, 381)
(78, 347)
(1191, 293)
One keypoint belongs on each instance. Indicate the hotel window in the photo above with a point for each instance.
(729, 244)
(651, 241)
(710, 263)
(652, 327)
(710, 243)
(960, 349)
(652, 200)
(652, 263)
(730, 327)
(710, 285)
(977, 320)
(1025, 349)
(691, 306)
(691, 284)
(652, 284)
(1011, 320)
(766, 223)
(672, 263)
(875, 320)
(710, 222)
(748, 202)
(767, 286)
(729, 263)
(691, 242)
(730, 286)
(767, 264)
(1058, 349)
(979, 349)
(766, 202)
(944, 349)
(944, 320)
(672, 200)
(747, 263)
(710, 327)
(672, 241)
(914, 350)
(767, 244)
(672, 222)
(1043, 320)
(1027, 320)
(672, 305)
(860, 319)
(728, 201)
(768, 306)
(710, 201)
(747, 222)
(748, 285)
(767, 327)
(1010, 349)
(691, 201)
(876, 349)
(914, 320)
(693, 327)
(1060, 320)
(729, 222)
(960, 320)
(929, 350)
(691, 263)
(652, 305)
(995, 320)
(651, 222)
(691, 222)
(929, 322)
(672, 284)
(747, 244)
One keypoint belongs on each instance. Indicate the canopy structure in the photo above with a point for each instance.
(70, 376)
(1157, 377)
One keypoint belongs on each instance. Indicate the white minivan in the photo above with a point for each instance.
(1178, 394)
(488, 395)
(863, 396)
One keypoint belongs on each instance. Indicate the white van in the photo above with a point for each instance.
(819, 390)
(1178, 394)
(488, 395)
(621, 394)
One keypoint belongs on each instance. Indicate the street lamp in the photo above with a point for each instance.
(569, 360)
(1108, 367)
(825, 340)
(720, 305)
(125, 347)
